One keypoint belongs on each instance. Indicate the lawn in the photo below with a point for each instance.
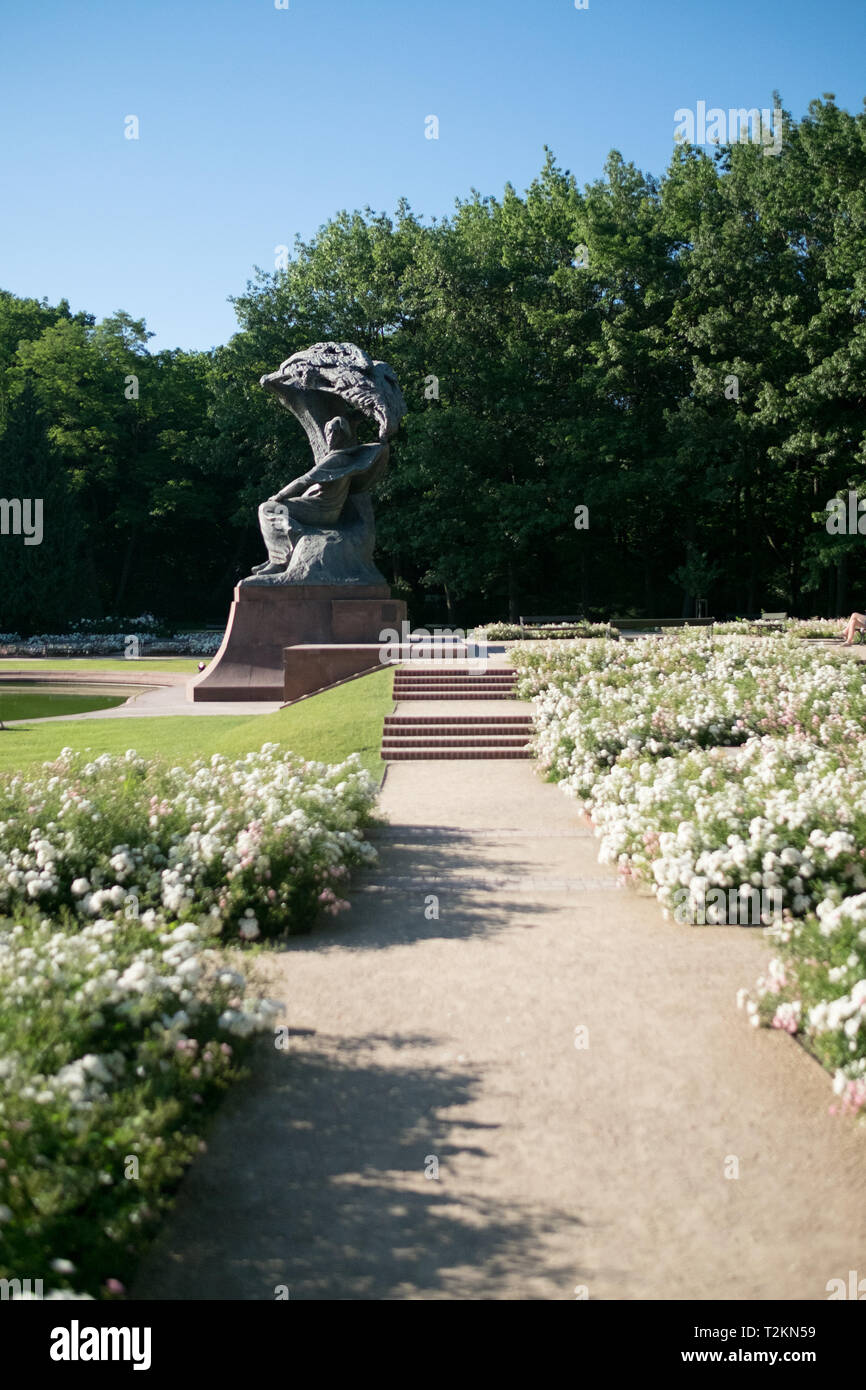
(40, 704)
(325, 727)
(68, 666)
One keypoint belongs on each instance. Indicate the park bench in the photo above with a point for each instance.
(558, 620)
(773, 620)
(651, 624)
(541, 622)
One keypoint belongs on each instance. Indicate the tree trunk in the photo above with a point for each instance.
(795, 582)
(513, 610)
(830, 609)
(752, 589)
(120, 593)
(649, 587)
(842, 600)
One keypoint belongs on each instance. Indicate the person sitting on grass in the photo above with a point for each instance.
(856, 623)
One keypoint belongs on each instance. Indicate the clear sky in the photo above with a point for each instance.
(257, 123)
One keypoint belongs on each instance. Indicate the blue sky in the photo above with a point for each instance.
(258, 123)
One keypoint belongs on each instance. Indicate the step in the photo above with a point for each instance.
(440, 678)
(417, 721)
(455, 741)
(453, 685)
(470, 668)
(452, 695)
(458, 731)
(451, 678)
(397, 755)
(458, 672)
(449, 695)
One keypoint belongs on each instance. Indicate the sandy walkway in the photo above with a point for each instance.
(159, 693)
(602, 1167)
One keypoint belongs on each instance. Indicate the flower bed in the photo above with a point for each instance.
(255, 845)
(109, 644)
(668, 695)
(780, 814)
(816, 987)
(638, 732)
(124, 1015)
(118, 1039)
(791, 627)
(109, 636)
(509, 632)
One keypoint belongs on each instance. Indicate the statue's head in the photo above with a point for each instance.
(338, 433)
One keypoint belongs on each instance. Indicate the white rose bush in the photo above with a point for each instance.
(710, 763)
(826, 628)
(129, 890)
(263, 839)
(507, 632)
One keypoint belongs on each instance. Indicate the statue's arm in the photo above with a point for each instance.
(292, 489)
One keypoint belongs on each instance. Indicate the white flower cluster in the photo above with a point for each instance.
(769, 815)
(250, 844)
(108, 644)
(791, 627)
(505, 632)
(110, 1029)
(161, 989)
(597, 701)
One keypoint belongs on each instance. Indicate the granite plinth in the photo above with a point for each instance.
(264, 621)
(313, 666)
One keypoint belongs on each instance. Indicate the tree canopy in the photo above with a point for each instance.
(684, 356)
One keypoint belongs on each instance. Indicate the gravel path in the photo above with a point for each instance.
(161, 693)
(563, 1171)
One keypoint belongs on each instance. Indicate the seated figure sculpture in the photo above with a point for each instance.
(319, 528)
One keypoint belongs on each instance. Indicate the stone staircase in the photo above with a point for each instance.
(477, 735)
(497, 683)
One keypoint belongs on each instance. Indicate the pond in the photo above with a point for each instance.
(22, 699)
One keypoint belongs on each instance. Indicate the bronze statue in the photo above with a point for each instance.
(319, 528)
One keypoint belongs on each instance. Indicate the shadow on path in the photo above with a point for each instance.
(315, 1179)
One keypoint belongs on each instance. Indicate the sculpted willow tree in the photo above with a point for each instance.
(319, 528)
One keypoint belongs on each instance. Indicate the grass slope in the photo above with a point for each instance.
(325, 727)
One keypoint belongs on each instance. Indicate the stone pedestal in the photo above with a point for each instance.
(265, 620)
(313, 667)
